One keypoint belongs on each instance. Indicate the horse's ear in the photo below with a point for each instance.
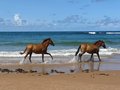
(102, 41)
(48, 38)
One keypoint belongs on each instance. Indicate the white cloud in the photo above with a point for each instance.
(1, 20)
(97, 1)
(108, 22)
(17, 20)
(73, 1)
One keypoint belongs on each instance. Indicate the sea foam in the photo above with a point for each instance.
(62, 52)
(74, 59)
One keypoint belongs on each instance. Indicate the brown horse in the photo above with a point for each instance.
(38, 49)
(90, 48)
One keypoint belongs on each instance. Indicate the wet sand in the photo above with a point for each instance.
(71, 76)
(58, 77)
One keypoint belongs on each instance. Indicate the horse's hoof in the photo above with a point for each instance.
(79, 61)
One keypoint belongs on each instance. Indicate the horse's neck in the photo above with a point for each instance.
(97, 44)
(45, 44)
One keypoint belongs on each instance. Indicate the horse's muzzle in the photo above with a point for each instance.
(104, 46)
(53, 44)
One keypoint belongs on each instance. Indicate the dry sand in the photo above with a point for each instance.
(107, 80)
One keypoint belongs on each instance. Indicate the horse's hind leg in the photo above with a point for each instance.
(26, 56)
(80, 56)
(91, 58)
(21, 62)
(30, 57)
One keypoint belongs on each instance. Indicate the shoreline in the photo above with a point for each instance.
(66, 68)
(63, 64)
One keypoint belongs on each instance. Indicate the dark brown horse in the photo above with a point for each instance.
(38, 49)
(91, 48)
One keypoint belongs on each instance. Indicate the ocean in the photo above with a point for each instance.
(66, 44)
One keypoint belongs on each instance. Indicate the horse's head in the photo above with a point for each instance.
(49, 41)
(100, 43)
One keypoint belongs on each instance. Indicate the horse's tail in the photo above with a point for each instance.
(24, 51)
(78, 50)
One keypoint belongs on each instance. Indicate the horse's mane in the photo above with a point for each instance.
(97, 42)
(45, 40)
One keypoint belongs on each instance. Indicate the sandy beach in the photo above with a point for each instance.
(82, 80)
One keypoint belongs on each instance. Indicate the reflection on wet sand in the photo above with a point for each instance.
(52, 69)
(69, 68)
(87, 66)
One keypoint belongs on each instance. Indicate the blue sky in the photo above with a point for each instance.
(59, 15)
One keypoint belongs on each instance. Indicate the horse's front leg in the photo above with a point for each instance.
(50, 55)
(98, 56)
(42, 57)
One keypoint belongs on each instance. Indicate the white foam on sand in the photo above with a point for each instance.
(22, 61)
(74, 59)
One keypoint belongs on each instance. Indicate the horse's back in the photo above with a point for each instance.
(88, 48)
(29, 46)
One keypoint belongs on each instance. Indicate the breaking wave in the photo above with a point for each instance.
(62, 52)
